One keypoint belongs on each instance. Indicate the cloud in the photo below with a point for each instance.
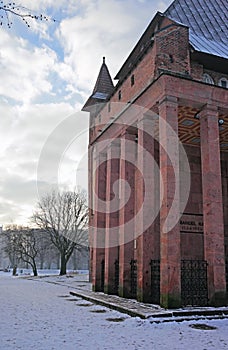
(23, 136)
(103, 28)
(25, 77)
(9, 211)
(26, 132)
(47, 72)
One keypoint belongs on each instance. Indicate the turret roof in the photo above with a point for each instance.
(102, 89)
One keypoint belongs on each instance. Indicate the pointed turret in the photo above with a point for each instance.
(102, 89)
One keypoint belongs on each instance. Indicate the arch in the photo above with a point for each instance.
(208, 79)
(223, 82)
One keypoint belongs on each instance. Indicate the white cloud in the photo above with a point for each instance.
(24, 132)
(104, 28)
(24, 70)
(42, 85)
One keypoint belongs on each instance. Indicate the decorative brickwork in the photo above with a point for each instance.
(158, 165)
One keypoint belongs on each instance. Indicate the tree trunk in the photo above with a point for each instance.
(35, 272)
(15, 270)
(63, 265)
(34, 267)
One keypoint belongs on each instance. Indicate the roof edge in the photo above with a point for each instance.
(140, 42)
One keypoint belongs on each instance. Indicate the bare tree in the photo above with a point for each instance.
(64, 216)
(47, 252)
(11, 9)
(21, 244)
(9, 246)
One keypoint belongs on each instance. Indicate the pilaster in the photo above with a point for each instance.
(170, 281)
(99, 194)
(112, 216)
(212, 205)
(127, 212)
(147, 182)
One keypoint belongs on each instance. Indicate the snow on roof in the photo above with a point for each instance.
(208, 23)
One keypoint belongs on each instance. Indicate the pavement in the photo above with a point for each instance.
(42, 314)
(80, 286)
(155, 313)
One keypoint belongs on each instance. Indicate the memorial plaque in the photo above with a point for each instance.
(191, 223)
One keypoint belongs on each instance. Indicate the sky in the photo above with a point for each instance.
(47, 73)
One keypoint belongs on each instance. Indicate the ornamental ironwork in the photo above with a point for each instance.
(133, 264)
(155, 281)
(116, 279)
(102, 274)
(194, 289)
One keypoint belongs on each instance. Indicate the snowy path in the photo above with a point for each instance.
(36, 315)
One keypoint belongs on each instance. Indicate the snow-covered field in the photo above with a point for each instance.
(41, 315)
(43, 272)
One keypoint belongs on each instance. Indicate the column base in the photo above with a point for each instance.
(124, 292)
(143, 296)
(219, 299)
(170, 301)
(109, 289)
(97, 288)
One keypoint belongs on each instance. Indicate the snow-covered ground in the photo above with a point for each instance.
(39, 314)
(42, 272)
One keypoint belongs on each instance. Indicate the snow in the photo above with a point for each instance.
(40, 314)
(41, 272)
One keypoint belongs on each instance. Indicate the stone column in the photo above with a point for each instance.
(170, 281)
(127, 212)
(90, 203)
(147, 204)
(112, 216)
(212, 205)
(99, 221)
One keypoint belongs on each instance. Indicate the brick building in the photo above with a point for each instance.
(163, 130)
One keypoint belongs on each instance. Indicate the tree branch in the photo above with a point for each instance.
(19, 11)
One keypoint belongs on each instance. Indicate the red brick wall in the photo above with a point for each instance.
(192, 243)
(196, 71)
(215, 75)
(172, 50)
(224, 169)
(143, 75)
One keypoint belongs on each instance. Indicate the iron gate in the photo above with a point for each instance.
(155, 281)
(133, 264)
(194, 289)
(116, 280)
(102, 274)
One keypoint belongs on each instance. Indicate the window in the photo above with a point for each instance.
(171, 60)
(223, 82)
(132, 80)
(119, 95)
(208, 79)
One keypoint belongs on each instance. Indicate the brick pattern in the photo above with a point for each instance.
(172, 52)
(212, 204)
(177, 95)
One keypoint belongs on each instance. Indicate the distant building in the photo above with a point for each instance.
(178, 73)
(4, 261)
